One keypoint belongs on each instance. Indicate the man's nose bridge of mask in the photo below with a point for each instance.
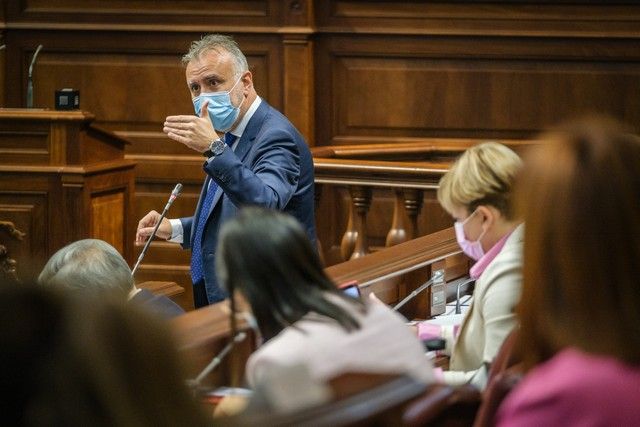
(218, 96)
(219, 92)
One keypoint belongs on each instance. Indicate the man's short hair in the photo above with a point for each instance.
(89, 265)
(216, 42)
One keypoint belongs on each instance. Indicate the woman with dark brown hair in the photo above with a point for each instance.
(580, 317)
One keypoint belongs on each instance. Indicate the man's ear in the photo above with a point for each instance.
(247, 80)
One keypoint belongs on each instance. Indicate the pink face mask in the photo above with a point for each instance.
(472, 249)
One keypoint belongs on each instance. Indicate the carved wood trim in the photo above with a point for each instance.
(396, 260)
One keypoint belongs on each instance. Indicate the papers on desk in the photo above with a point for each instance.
(229, 391)
(447, 320)
(449, 317)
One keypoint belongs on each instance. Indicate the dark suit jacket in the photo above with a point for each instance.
(158, 304)
(271, 167)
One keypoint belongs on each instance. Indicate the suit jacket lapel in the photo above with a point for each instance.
(245, 142)
(251, 131)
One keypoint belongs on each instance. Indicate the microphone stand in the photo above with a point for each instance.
(30, 78)
(238, 338)
(461, 284)
(176, 191)
(437, 276)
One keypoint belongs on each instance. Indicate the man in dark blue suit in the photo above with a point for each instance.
(261, 159)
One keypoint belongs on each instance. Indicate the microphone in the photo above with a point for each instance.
(3, 46)
(436, 277)
(465, 282)
(174, 194)
(238, 338)
(30, 78)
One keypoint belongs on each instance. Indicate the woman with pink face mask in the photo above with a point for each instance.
(476, 192)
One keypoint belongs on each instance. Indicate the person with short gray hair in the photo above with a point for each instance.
(93, 267)
(88, 265)
(254, 157)
(219, 43)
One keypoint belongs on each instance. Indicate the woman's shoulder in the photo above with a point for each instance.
(574, 386)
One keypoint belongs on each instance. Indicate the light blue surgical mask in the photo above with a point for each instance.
(221, 111)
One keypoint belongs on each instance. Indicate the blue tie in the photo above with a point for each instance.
(197, 271)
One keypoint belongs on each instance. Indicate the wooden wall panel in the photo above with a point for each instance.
(28, 211)
(26, 143)
(469, 87)
(145, 12)
(483, 18)
(107, 218)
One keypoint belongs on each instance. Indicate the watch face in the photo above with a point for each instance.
(217, 147)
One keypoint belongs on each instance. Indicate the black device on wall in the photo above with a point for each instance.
(67, 99)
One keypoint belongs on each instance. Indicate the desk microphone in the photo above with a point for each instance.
(174, 194)
(461, 284)
(194, 383)
(30, 78)
(436, 277)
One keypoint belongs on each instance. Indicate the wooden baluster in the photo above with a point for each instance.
(361, 201)
(348, 243)
(317, 195)
(413, 199)
(397, 233)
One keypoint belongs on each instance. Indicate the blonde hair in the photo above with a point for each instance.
(483, 175)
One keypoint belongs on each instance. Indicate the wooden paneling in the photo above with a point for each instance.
(26, 142)
(299, 86)
(144, 12)
(169, 271)
(107, 218)
(507, 17)
(469, 87)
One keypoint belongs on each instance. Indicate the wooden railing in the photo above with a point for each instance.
(392, 273)
(403, 176)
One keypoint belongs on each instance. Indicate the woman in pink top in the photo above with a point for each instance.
(580, 322)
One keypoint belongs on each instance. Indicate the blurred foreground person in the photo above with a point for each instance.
(580, 335)
(64, 362)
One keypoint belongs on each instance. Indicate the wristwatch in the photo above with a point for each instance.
(216, 148)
